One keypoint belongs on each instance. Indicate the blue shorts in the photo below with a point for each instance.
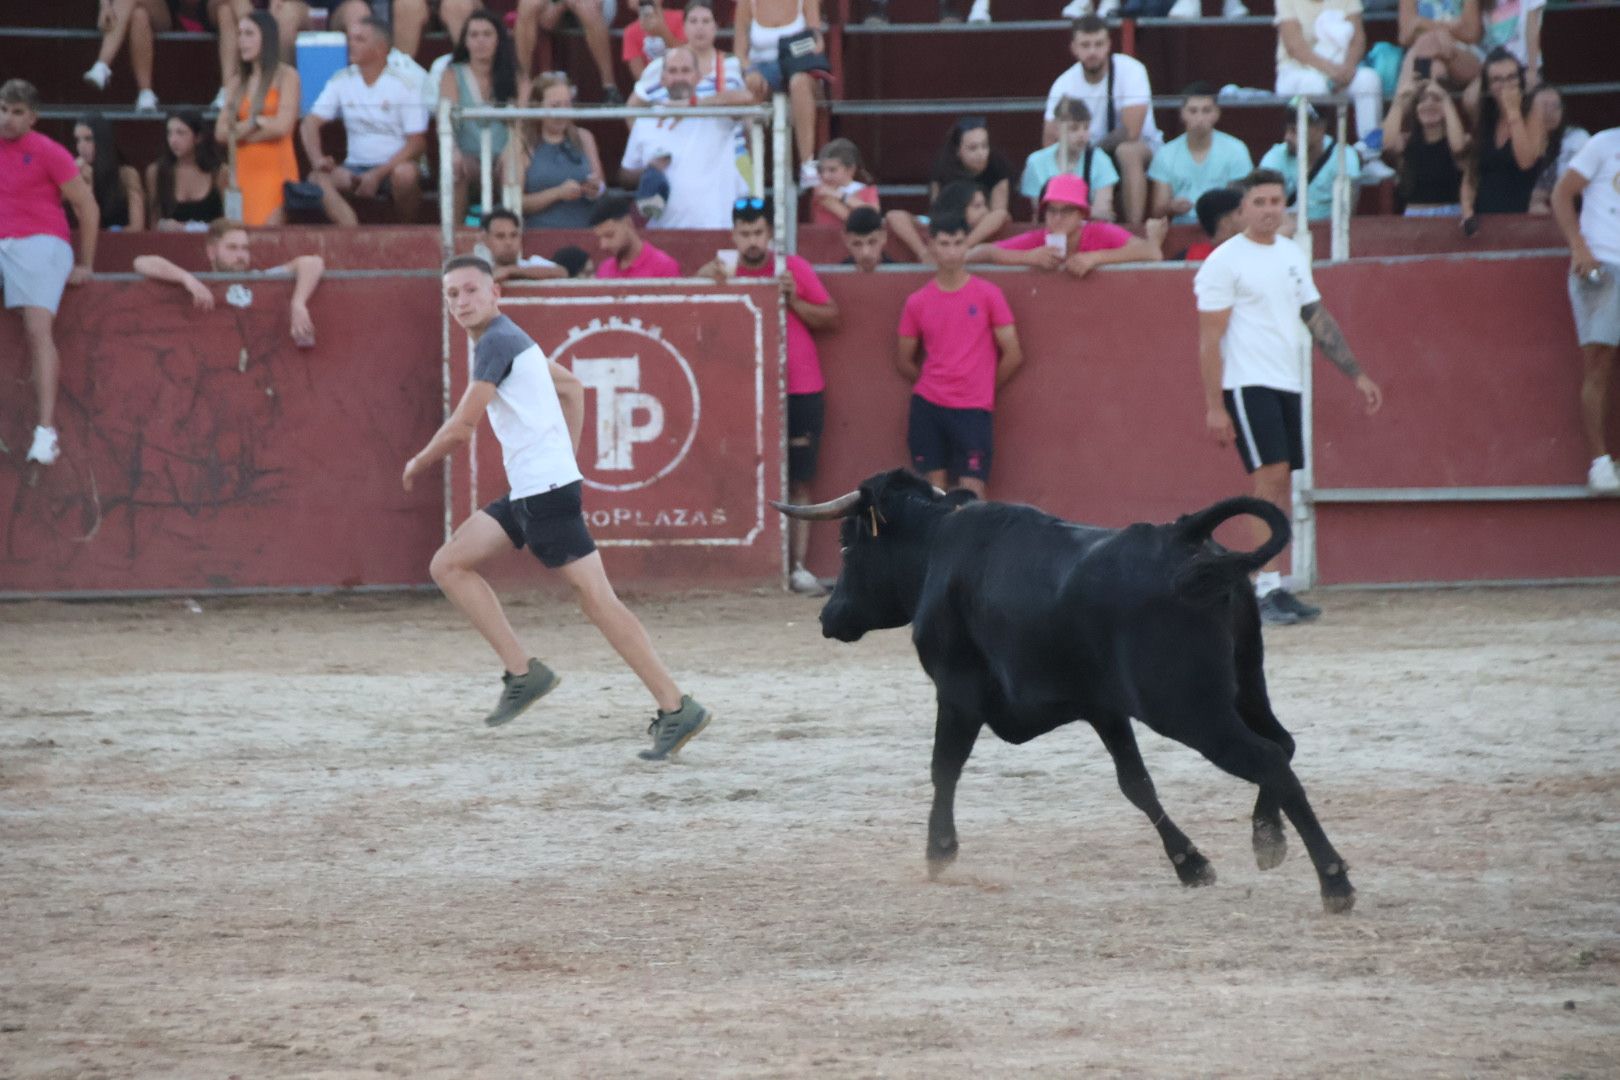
(771, 72)
(958, 441)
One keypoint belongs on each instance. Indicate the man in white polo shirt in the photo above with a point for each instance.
(1253, 292)
(1594, 284)
(537, 410)
(380, 104)
(1115, 88)
(698, 155)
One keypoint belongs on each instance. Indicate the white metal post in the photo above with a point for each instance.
(1302, 228)
(782, 164)
(1339, 247)
(447, 203)
(486, 168)
(1302, 555)
(756, 158)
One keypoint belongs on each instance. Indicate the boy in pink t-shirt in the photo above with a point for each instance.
(36, 259)
(1070, 241)
(625, 253)
(970, 348)
(809, 307)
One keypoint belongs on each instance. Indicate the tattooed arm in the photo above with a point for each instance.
(1326, 334)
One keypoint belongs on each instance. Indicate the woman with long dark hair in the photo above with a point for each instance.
(483, 71)
(1427, 142)
(965, 155)
(183, 184)
(261, 110)
(117, 186)
(1509, 142)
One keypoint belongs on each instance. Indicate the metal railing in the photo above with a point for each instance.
(759, 118)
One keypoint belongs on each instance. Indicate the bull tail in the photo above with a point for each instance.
(1210, 573)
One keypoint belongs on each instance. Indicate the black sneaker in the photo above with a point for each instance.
(1273, 613)
(521, 691)
(673, 730)
(1290, 602)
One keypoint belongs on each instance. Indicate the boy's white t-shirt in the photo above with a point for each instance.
(1264, 286)
(1131, 87)
(1599, 162)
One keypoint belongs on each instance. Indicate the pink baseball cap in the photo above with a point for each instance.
(1068, 189)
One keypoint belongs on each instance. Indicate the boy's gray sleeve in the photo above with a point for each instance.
(492, 360)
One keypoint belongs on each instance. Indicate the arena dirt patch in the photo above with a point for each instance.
(273, 839)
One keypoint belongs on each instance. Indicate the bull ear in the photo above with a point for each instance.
(841, 507)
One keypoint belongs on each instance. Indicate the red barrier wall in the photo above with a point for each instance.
(204, 451)
(1477, 360)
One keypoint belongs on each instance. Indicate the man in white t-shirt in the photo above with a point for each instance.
(1254, 291)
(1115, 88)
(1594, 284)
(537, 410)
(384, 120)
(697, 154)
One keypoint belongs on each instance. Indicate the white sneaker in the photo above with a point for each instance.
(809, 176)
(803, 582)
(979, 12)
(146, 101)
(1601, 476)
(98, 75)
(1077, 9)
(1234, 9)
(1376, 172)
(1186, 9)
(219, 100)
(46, 449)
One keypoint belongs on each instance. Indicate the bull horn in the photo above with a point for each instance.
(841, 507)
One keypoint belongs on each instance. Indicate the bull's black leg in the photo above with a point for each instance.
(1236, 749)
(955, 732)
(1254, 706)
(1191, 866)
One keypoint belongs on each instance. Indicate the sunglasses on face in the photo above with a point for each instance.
(754, 203)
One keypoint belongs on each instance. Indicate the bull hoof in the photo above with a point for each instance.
(1338, 903)
(1338, 895)
(1193, 869)
(940, 856)
(1270, 845)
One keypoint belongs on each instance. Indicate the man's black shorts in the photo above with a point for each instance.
(550, 524)
(1268, 428)
(805, 416)
(956, 440)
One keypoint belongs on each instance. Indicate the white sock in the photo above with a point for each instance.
(1267, 581)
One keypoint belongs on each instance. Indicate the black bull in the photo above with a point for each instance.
(1026, 622)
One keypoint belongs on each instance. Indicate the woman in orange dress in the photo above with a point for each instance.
(262, 99)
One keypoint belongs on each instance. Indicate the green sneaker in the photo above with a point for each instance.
(673, 730)
(521, 691)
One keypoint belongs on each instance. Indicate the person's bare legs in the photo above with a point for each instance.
(526, 34)
(113, 39)
(290, 16)
(37, 327)
(455, 570)
(333, 184)
(973, 484)
(148, 17)
(904, 228)
(454, 14)
(1600, 363)
(409, 20)
(802, 105)
(620, 627)
(597, 37)
(1132, 159)
(406, 184)
(225, 14)
(1272, 483)
(799, 529)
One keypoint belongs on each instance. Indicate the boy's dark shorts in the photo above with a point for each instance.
(806, 413)
(550, 524)
(960, 441)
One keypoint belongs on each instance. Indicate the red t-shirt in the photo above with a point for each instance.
(635, 38)
(32, 172)
(1094, 236)
(957, 331)
(803, 362)
(651, 263)
(1199, 251)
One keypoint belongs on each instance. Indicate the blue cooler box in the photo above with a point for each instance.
(321, 54)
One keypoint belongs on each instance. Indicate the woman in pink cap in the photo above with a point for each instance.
(1070, 241)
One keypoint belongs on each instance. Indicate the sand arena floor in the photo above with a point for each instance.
(273, 839)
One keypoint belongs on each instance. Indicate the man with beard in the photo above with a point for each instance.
(810, 307)
(696, 155)
(1115, 88)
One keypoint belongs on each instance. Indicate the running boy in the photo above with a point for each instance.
(970, 347)
(537, 409)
